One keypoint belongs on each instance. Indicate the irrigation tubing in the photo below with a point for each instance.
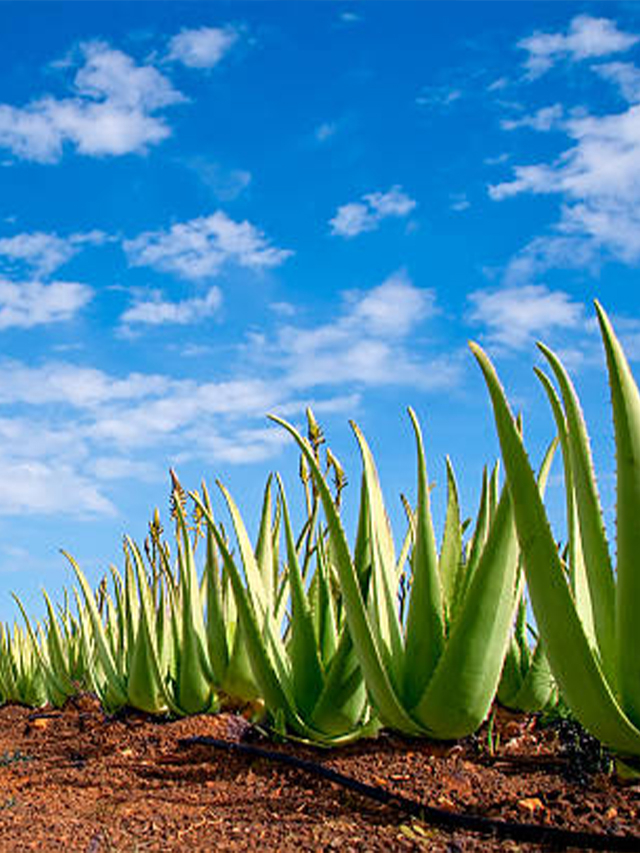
(555, 837)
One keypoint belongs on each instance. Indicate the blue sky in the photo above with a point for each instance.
(212, 211)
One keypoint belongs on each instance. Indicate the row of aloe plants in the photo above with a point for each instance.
(331, 641)
(334, 641)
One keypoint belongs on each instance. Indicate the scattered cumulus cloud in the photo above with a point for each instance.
(112, 111)
(26, 304)
(597, 179)
(203, 47)
(514, 316)
(367, 343)
(44, 253)
(157, 311)
(586, 38)
(200, 248)
(366, 215)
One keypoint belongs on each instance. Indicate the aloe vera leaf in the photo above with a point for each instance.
(114, 681)
(577, 671)
(343, 705)
(195, 678)
(479, 535)
(268, 626)
(384, 587)
(425, 630)
(473, 657)
(626, 415)
(251, 569)
(150, 685)
(143, 688)
(264, 547)
(577, 568)
(325, 616)
(59, 685)
(268, 658)
(592, 533)
(216, 630)
(365, 641)
(450, 560)
(538, 688)
(305, 663)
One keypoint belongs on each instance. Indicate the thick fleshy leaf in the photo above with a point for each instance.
(625, 401)
(577, 671)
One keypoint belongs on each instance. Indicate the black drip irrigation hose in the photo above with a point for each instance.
(559, 839)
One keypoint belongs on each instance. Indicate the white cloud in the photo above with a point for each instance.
(459, 202)
(43, 253)
(45, 488)
(586, 38)
(625, 75)
(57, 382)
(198, 249)
(350, 17)
(111, 113)
(598, 180)
(111, 76)
(367, 343)
(513, 316)
(101, 427)
(203, 47)
(225, 184)
(550, 252)
(325, 131)
(542, 120)
(31, 303)
(366, 215)
(438, 96)
(157, 311)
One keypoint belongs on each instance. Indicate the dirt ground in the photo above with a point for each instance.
(78, 780)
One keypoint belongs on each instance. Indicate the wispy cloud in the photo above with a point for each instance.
(438, 96)
(225, 184)
(200, 248)
(366, 215)
(112, 111)
(26, 304)
(586, 38)
(44, 253)
(542, 120)
(203, 47)
(157, 311)
(514, 316)
(325, 131)
(625, 75)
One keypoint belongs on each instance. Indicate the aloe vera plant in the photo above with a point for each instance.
(307, 670)
(151, 650)
(428, 674)
(585, 611)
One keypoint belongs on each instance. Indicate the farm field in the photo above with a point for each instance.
(78, 780)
